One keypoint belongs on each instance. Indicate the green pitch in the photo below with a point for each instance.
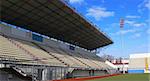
(126, 77)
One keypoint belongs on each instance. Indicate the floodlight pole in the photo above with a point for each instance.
(122, 46)
(122, 43)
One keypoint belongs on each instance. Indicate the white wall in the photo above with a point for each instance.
(17, 32)
(137, 61)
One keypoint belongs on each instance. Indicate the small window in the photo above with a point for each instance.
(37, 37)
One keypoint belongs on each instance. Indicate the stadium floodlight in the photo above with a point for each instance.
(121, 38)
(121, 23)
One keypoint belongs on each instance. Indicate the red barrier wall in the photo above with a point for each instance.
(88, 78)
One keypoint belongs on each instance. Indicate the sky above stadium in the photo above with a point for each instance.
(106, 14)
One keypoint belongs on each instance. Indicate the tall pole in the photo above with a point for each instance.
(122, 43)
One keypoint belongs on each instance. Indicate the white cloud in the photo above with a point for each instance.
(126, 31)
(148, 31)
(135, 24)
(139, 24)
(147, 5)
(132, 16)
(129, 22)
(144, 5)
(123, 32)
(76, 1)
(103, 1)
(136, 35)
(99, 12)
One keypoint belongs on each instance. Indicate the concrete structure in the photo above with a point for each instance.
(139, 63)
(48, 40)
(51, 59)
(120, 64)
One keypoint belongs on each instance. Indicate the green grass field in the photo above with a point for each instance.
(126, 77)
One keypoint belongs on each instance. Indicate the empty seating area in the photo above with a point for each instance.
(96, 60)
(73, 62)
(10, 51)
(47, 55)
(89, 60)
(75, 59)
(83, 59)
(38, 53)
(19, 49)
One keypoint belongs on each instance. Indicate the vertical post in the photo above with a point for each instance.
(122, 43)
(32, 73)
(61, 72)
(146, 65)
(123, 66)
(55, 73)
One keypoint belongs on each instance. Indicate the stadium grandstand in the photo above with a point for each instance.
(43, 40)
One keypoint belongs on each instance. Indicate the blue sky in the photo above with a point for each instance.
(106, 15)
